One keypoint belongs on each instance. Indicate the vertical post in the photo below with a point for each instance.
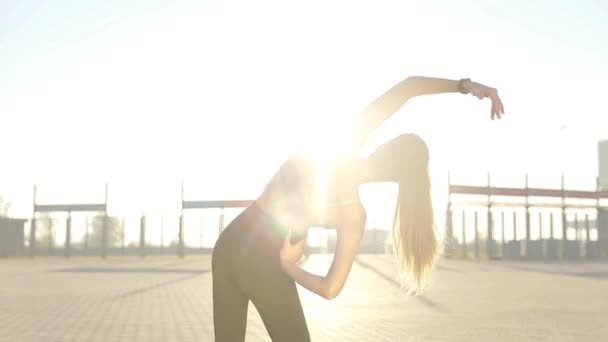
(564, 243)
(515, 226)
(527, 245)
(450, 238)
(502, 231)
(86, 235)
(476, 236)
(142, 235)
(515, 240)
(51, 238)
(202, 226)
(104, 235)
(577, 235)
(552, 244)
(587, 238)
(180, 229)
(221, 223)
(600, 218)
(162, 234)
(122, 238)
(180, 237)
(551, 226)
(541, 238)
(463, 249)
(106, 228)
(490, 227)
(68, 235)
(106, 200)
(32, 244)
(33, 236)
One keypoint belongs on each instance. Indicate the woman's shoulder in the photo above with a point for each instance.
(297, 166)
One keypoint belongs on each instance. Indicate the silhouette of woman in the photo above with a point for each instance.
(256, 257)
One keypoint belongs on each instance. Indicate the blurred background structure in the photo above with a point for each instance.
(481, 221)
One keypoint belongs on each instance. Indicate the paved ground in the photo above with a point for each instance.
(167, 299)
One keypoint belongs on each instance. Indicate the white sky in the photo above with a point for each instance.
(146, 93)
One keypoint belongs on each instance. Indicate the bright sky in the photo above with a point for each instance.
(146, 93)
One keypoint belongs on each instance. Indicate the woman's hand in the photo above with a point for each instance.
(291, 254)
(482, 91)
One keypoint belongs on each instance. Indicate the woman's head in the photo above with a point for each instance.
(405, 160)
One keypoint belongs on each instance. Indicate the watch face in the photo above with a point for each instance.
(463, 85)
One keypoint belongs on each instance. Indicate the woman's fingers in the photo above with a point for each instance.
(502, 107)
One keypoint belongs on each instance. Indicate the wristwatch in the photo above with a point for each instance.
(462, 85)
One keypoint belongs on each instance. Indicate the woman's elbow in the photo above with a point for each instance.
(331, 292)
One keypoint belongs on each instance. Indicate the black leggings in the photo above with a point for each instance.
(246, 267)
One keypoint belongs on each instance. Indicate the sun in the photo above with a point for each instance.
(332, 141)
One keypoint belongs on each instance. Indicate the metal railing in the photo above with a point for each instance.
(521, 245)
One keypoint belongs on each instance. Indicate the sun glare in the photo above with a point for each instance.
(332, 143)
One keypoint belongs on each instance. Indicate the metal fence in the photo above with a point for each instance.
(480, 226)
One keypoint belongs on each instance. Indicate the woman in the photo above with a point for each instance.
(255, 258)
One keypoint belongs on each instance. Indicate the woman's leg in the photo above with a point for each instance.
(229, 302)
(275, 296)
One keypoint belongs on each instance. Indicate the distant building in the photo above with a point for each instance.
(11, 237)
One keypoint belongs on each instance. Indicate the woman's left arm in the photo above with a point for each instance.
(349, 234)
(393, 99)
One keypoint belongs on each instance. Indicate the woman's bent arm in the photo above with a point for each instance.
(349, 233)
(392, 100)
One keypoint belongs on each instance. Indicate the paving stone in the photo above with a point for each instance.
(164, 298)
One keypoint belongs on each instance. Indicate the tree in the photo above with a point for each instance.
(96, 232)
(5, 206)
(44, 232)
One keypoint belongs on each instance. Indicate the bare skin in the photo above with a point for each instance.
(349, 219)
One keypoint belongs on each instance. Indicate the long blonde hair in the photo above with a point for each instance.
(415, 240)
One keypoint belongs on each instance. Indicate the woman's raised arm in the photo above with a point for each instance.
(393, 99)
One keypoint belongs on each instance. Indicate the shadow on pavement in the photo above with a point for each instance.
(557, 269)
(428, 302)
(132, 270)
(151, 287)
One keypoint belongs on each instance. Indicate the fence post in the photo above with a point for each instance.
(502, 231)
(551, 226)
(527, 245)
(32, 244)
(515, 241)
(541, 237)
(51, 238)
(476, 236)
(577, 235)
(564, 243)
(86, 235)
(142, 236)
(180, 237)
(162, 234)
(490, 227)
(463, 249)
(33, 237)
(449, 230)
(490, 238)
(587, 239)
(68, 235)
(202, 228)
(221, 223)
(122, 237)
(104, 236)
